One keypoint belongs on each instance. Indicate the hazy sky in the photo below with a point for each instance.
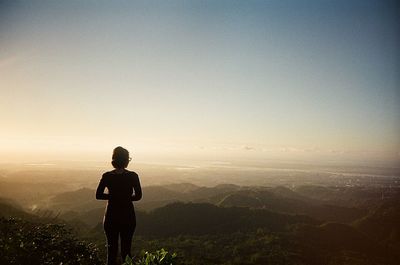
(217, 79)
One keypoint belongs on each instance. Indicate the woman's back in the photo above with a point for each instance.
(123, 187)
(120, 186)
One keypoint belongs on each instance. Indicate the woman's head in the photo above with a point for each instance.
(120, 157)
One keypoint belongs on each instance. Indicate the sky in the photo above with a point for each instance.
(216, 80)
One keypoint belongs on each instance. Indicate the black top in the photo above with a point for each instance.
(123, 188)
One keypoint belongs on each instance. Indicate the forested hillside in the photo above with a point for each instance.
(226, 224)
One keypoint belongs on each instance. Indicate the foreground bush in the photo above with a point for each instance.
(24, 242)
(159, 257)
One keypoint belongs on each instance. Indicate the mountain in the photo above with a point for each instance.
(240, 235)
(29, 193)
(279, 199)
(382, 223)
(153, 197)
(229, 224)
(79, 200)
(287, 201)
(204, 218)
(333, 243)
(9, 208)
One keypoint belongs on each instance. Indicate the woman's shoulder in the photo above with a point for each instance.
(125, 172)
(107, 174)
(132, 173)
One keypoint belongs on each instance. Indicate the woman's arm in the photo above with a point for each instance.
(100, 195)
(138, 189)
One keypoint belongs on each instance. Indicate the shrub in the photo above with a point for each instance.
(25, 242)
(159, 257)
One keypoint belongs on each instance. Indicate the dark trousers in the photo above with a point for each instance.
(113, 233)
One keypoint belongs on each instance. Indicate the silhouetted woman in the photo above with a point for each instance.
(119, 220)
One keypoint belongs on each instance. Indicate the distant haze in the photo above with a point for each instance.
(195, 80)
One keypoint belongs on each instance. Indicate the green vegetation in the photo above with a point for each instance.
(227, 225)
(159, 257)
(26, 242)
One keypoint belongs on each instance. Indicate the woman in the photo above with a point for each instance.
(119, 220)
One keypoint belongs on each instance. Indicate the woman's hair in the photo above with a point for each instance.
(120, 157)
